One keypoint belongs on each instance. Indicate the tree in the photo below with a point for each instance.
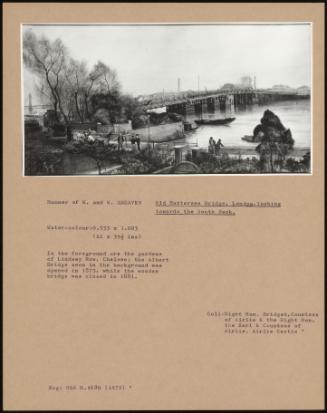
(106, 80)
(131, 107)
(275, 141)
(47, 59)
(90, 83)
(76, 76)
(105, 90)
(74, 92)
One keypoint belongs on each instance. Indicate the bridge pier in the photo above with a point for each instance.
(180, 108)
(230, 100)
(240, 99)
(222, 103)
(199, 107)
(249, 98)
(211, 105)
(189, 109)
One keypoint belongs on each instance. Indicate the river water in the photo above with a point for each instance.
(295, 115)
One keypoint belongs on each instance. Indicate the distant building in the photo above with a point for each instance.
(246, 81)
(303, 90)
(282, 88)
(228, 86)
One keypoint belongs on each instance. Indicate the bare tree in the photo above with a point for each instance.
(47, 59)
(106, 79)
(90, 84)
(66, 82)
(76, 76)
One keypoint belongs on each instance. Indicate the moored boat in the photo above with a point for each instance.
(248, 138)
(224, 121)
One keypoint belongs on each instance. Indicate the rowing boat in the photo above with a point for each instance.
(224, 121)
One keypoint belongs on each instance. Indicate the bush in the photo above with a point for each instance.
(31, 126)
(59, 129)
(42, 159)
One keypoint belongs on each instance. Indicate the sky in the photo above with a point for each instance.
(150, 58)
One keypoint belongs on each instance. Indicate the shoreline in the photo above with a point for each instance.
(241, 150)
(296, 152)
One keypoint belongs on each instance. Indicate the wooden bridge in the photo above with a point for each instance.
(183, 99)
(199, 102)
(182, 102)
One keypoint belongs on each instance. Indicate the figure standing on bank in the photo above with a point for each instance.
(219, 145)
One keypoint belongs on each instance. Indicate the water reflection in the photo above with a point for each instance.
(295, 115)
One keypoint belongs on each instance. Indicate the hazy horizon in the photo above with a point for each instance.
(150, 58)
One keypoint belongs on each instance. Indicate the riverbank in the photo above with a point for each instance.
(50, 155)
(296, 152)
